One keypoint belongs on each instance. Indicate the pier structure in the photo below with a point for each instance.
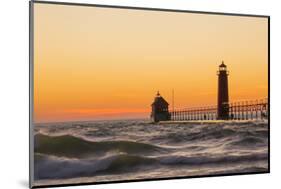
(242, 110)
(224, 110)
(160, 109)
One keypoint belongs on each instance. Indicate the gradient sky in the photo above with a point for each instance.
(103, 63)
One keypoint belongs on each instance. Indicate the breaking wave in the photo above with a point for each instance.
(124, 148)
(50, 167)
(71, 146)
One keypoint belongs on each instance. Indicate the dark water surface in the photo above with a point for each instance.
(137, 149)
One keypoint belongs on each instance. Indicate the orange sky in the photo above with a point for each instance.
(103, 63)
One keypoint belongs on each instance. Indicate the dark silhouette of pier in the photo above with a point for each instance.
(244, 110)
(224, 110)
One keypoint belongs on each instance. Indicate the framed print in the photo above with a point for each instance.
(123, 94)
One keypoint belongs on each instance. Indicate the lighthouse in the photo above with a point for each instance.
(160, 109)
(223, 99)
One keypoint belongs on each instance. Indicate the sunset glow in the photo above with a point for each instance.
(104, 63)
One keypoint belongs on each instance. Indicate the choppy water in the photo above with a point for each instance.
(136, 149)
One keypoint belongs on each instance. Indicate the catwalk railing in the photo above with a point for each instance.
(243, 110)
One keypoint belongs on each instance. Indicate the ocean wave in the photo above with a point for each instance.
(203, 160)
(51, 167)
(127, 149)
(249, 141)
(209, 132)
(72, 146)
(246, 169)
(200, 135)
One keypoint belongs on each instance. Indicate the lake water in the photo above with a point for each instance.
(99, 151)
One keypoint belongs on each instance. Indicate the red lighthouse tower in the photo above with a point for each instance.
(223, 99)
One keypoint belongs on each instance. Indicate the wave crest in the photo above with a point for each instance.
(71, 146)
